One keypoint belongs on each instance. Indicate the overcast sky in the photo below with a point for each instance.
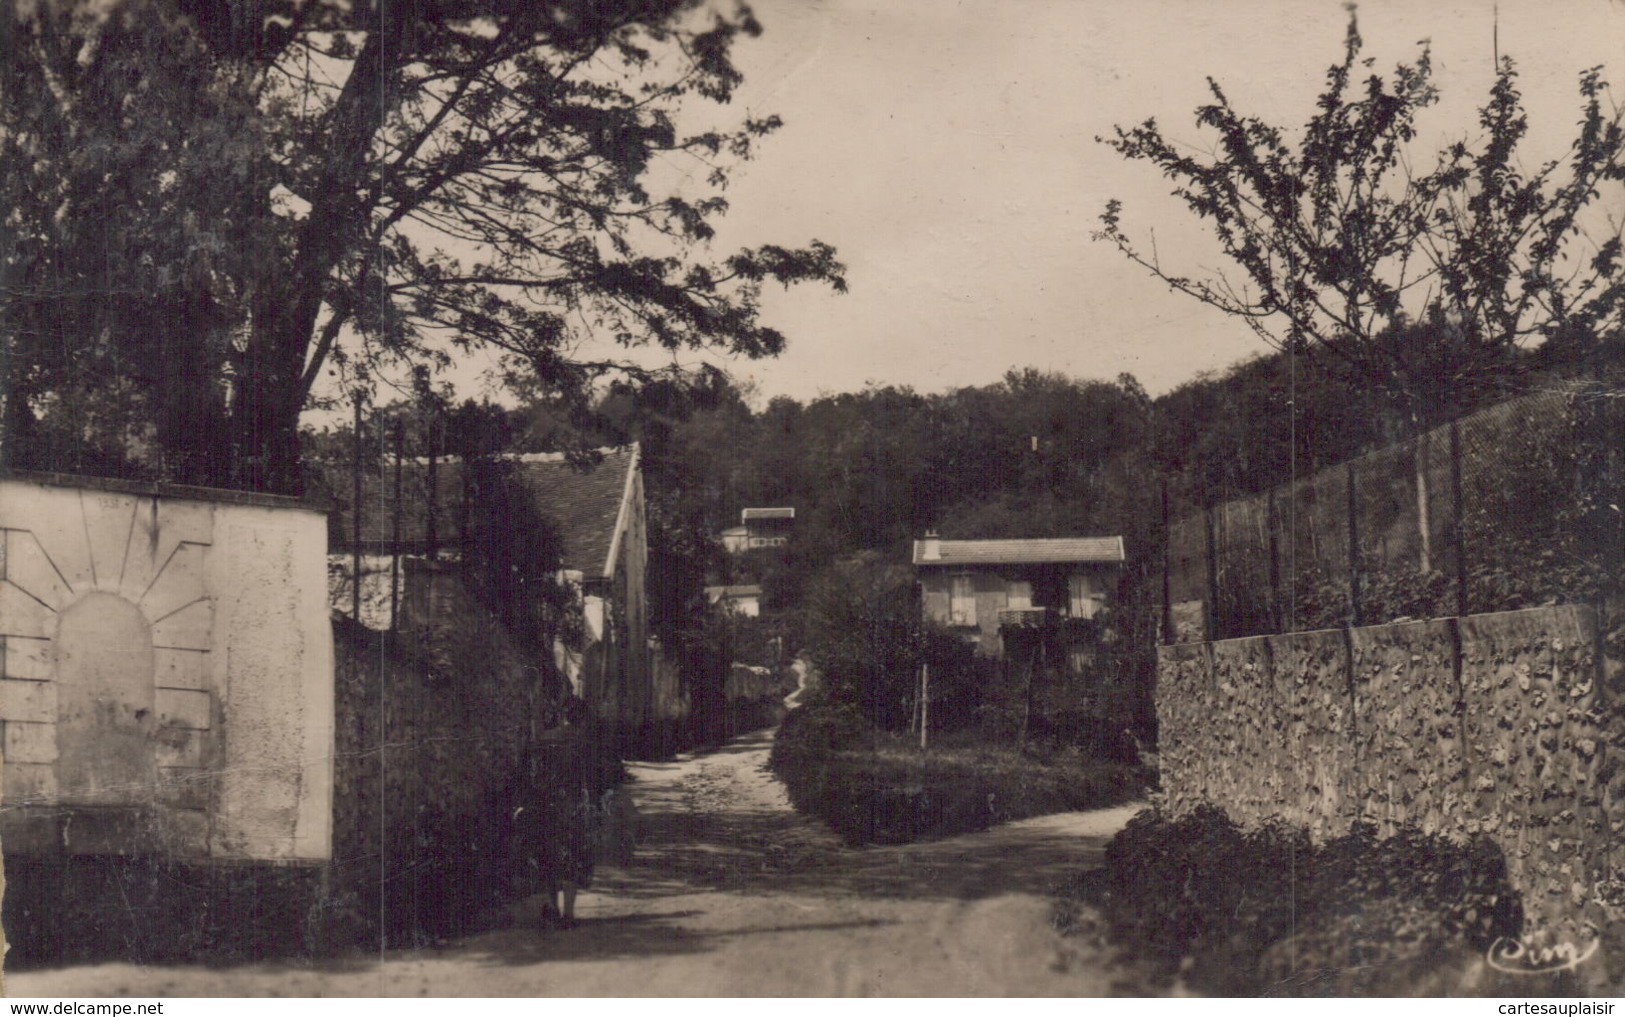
(947, 150)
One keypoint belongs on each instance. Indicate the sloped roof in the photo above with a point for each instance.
(1045, 551)
(585, 504)
(715, 593)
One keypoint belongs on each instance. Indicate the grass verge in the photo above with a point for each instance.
(874, 787)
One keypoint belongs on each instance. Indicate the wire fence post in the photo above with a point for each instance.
(1210, 621)
(925, 704)
(1458, 533)
(1168, 634)
(355, 518)
(1356, 618)
(395, 530)
(431, 533)
(1272, 522)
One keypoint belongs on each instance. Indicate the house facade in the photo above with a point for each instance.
(759, 528)
(989, 589)
(742, 600)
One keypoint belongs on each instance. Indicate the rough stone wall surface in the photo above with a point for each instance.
(1409, 761)
(1318, 730)
(1498, 724)
(1540, 736)
(1186, 732)
(1246, 733)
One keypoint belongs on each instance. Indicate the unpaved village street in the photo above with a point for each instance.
(732, 893)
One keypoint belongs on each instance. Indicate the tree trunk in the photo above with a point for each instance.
(271, 391)
(265, 417)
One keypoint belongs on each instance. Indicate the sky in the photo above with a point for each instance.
(948, 151)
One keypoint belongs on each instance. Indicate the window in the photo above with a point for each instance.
(962, 601)
(1082, 599)
(1021, 595)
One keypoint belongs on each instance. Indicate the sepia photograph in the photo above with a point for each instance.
(812, 498)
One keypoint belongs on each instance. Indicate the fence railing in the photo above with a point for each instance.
(1515, 506)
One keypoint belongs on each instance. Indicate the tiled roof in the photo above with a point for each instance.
(718, 592)
(584, 504)
(766, 513)
(1053, 550)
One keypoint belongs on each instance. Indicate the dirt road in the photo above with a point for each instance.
(731, 893)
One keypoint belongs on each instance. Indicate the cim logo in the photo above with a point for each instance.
(1512, 957)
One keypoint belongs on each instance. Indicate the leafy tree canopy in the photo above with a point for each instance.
(1425, 277)
(210, 203)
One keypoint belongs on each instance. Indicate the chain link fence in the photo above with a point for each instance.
(1515, 506)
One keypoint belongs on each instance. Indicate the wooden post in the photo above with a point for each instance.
(355, 518)
(1458, 529)
(925, 704)
(1210, 622)
(1168, 634)
(395, 530)
(431, 532)
(1355, 617)
(1278, 615)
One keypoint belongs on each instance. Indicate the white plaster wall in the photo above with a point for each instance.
(276, 680)
(225, 617)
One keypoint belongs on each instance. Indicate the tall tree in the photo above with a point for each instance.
(1426, 283)
(208, 197)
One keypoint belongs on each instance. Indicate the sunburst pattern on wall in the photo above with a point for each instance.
(147, 551)
(60, 548)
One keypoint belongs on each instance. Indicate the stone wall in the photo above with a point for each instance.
(1500, 724)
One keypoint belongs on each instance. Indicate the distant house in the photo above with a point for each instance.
(988, 588)
(759, 528)
(742, 600)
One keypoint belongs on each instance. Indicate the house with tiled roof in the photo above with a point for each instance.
(992, 591)
(596, 507)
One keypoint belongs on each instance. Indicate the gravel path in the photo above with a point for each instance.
(732, 893)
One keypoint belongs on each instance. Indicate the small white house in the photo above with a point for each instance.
(742, 600)
(980, 587)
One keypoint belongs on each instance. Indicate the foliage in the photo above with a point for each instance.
(1424, 282)
(861, 630)
(211, 208)
(1245, 913)
(822, 726)
(872, 787)
(511, 557)
(1263, 422)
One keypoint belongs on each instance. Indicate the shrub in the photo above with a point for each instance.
(877, 788)
(1245, 913)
